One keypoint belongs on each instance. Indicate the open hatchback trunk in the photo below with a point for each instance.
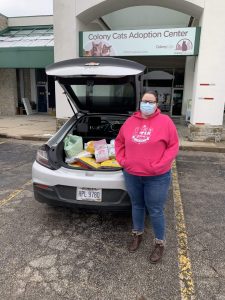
(102, 93)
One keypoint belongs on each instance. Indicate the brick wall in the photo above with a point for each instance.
(3, 22)
(8, 92)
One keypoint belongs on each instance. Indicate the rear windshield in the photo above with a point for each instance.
(103, 95)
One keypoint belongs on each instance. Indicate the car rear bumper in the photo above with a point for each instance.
(78, 178)
(61, 195)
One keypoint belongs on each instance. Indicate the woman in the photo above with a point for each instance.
(146, 146)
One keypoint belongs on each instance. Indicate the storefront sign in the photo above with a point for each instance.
(174, 41)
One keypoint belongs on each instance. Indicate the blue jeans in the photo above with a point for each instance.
(148, 192)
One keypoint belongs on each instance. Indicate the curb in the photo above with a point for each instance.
(202, 148)
(24, 137)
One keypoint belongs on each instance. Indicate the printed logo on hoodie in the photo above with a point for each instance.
(141, 134)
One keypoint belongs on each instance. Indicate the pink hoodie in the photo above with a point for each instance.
(147, 147)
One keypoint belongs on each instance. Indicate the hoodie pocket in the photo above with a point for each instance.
(160, 169)
(139, 166)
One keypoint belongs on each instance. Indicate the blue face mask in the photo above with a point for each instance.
(147, 108)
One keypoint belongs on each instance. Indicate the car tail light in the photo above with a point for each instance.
(41, 186)
(42, 157)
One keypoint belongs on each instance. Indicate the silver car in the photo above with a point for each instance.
(102, 92)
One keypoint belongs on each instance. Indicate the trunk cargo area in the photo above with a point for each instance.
(92, 128)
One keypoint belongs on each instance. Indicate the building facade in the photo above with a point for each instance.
(203, 78)
(26, 47)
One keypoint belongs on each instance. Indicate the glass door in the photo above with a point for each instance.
(177, 99)
(41, 85)
(161, 82)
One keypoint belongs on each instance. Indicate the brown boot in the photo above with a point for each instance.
(157, 253)
(137, 238)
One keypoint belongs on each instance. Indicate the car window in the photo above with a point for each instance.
(104, 97)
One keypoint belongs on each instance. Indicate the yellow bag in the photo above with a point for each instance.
(90, 162)
(90, 147)
(110, 163)
(79, 165)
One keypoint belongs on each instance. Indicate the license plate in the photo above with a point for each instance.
(89, 194)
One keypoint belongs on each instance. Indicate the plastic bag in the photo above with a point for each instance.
(83, 153)
(73, 144)
(101, 151)
(111, 150)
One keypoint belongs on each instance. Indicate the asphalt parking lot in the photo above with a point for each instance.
(58, 253)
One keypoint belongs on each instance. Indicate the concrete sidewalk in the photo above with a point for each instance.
(40, 127)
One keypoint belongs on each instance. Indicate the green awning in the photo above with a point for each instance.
(26, 57)
(27, 47)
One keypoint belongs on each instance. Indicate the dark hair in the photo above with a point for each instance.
(151, 93)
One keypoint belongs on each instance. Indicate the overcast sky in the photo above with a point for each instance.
(16, 8)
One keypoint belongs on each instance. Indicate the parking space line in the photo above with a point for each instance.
(2, 143)
(185, 271)
(14, 194)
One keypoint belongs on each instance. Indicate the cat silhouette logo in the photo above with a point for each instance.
(184, 45)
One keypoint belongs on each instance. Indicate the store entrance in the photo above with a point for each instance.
(41, 85)
(177, 99)
(168, 84)
(45, 91)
